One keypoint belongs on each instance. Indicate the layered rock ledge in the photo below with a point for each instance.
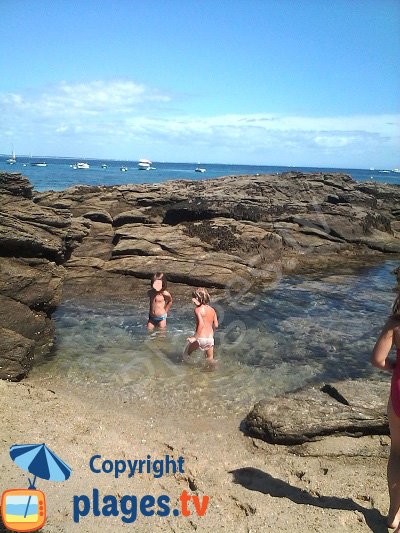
(233, 232)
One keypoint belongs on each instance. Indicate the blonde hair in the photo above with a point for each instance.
(396, 308)
(201, 295)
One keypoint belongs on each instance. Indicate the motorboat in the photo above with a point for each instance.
(123, 169)
(39, 164)
(80, 165)
(144, 164)
(396, 170)
(104, 165)
(199, 169)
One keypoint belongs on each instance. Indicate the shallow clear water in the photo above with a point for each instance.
(306, 330)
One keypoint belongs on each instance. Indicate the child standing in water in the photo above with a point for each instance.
(206, 324)
(160, 302)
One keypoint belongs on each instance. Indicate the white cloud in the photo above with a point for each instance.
(74, 100)
(120, 114)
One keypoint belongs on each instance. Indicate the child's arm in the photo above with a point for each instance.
(168, 301)
(382, 348)
(215, 321)
(193, 338)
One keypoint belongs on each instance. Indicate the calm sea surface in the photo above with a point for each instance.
(59, 174)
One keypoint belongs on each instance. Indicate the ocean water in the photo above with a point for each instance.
(59, 174)
(308, 329)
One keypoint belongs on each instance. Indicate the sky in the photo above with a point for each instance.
(270, 82)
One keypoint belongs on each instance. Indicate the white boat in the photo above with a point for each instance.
(397, 170)
(104, 165)
(123, 169)
(80, 165)
(39, 164)
(199, 169)
(144, 164)
(12, 159)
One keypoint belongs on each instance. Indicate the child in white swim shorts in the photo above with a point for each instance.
(206, 324)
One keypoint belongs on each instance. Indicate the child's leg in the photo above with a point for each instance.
(162, 324)
(210, 354)
(189, 348)
(192, 347)
(150, 325)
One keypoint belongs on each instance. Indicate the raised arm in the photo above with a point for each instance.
(383, 345)
(168, 301)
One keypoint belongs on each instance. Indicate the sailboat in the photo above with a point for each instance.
(199, 168)
(12, 159)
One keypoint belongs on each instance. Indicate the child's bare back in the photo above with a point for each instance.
(206, 324)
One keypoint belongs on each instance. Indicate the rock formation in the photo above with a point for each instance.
(352, 407)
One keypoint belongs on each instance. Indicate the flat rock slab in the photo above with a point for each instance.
(352, 408)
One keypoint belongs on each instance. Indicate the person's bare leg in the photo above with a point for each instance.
(189, 348)
(150, 325)
(211, 363)
(210, 354)
(393, 469)
(192, 347)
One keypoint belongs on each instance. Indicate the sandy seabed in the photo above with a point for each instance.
(337, 484)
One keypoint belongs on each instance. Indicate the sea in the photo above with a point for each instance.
(60, 172)
(312, 328)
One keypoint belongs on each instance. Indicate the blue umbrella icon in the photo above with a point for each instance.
(40, 461)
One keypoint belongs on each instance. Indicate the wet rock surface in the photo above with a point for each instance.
(351, 408)
(226, 233)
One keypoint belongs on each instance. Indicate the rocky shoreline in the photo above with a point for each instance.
(230, 233)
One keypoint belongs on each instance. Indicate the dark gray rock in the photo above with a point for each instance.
(352, 408)
(15, 184)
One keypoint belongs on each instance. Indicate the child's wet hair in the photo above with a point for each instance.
(201, 295)
(396, 308)
(159, 276)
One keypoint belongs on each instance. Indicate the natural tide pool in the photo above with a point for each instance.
(308, 329)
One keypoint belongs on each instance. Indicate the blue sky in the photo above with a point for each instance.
(275, 82)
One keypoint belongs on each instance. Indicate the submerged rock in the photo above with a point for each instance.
(352, 408)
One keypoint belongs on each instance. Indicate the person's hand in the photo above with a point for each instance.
(191, 339)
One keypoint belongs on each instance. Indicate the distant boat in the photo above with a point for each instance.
(104, 165)
(384, 171)
(80, 165)
(199, 169)
(39, 164)
(144, 164)
(123, 169)
(397, 170)
(12, 159)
